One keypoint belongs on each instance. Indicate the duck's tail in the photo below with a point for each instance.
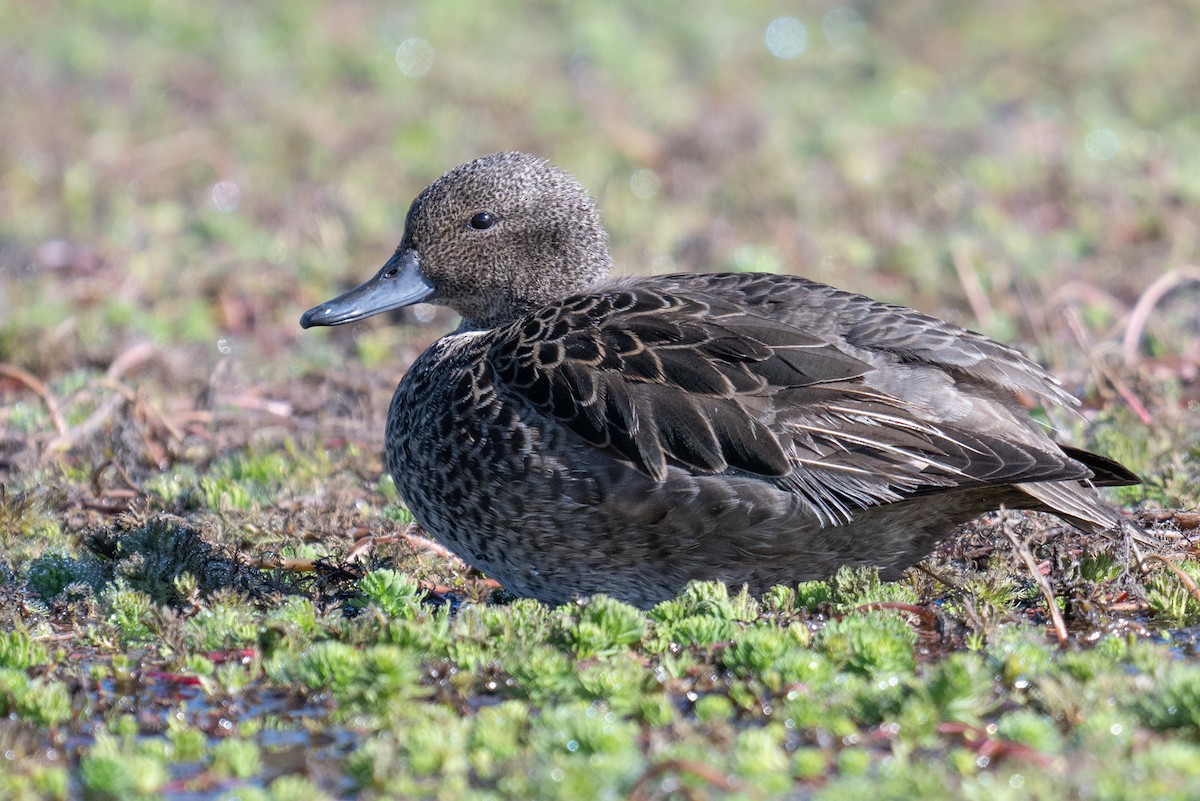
(1079, 504)
(1105, 472)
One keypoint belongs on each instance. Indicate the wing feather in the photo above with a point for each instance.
(698, 376)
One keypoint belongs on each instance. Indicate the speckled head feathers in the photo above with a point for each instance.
(504, 234)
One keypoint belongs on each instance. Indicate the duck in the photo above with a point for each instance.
(579, 434)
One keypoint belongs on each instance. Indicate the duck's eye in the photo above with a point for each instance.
(482, 221)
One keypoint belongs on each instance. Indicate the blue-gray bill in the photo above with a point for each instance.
(399, 283)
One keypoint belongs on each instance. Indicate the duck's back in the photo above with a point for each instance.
(754, 428)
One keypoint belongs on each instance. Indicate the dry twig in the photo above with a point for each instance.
(707, 773)
(968, 278)
(1184, 521)
(1151, 297)
(40, 389)
(1021, 548)
(68, 439)
(1183, 577)
(1102, 372)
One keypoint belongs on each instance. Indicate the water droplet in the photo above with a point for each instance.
(223, 346)
(414, 57)
(224, 196)
(786, 37)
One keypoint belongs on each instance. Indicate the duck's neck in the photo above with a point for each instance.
(505, 306)
(500, 312)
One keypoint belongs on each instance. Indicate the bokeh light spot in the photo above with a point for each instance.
(644, 184)
(1102, 143)
(414, 57)
(786, 37)
(224, 195)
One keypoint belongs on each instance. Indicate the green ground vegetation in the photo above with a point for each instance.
(208, 591)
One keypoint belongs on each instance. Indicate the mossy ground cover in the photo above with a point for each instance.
(207, 589)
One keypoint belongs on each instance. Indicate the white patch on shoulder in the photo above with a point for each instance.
(456, 341)
(463, 336)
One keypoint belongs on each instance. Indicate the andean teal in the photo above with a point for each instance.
(579, 435)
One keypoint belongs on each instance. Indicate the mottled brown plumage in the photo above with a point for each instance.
(578, 435)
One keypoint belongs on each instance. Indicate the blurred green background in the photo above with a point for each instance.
(196, 174)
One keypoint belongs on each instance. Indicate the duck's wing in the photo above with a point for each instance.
(869, 327)
(664, 378)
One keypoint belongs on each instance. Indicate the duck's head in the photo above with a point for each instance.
(492, 239)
